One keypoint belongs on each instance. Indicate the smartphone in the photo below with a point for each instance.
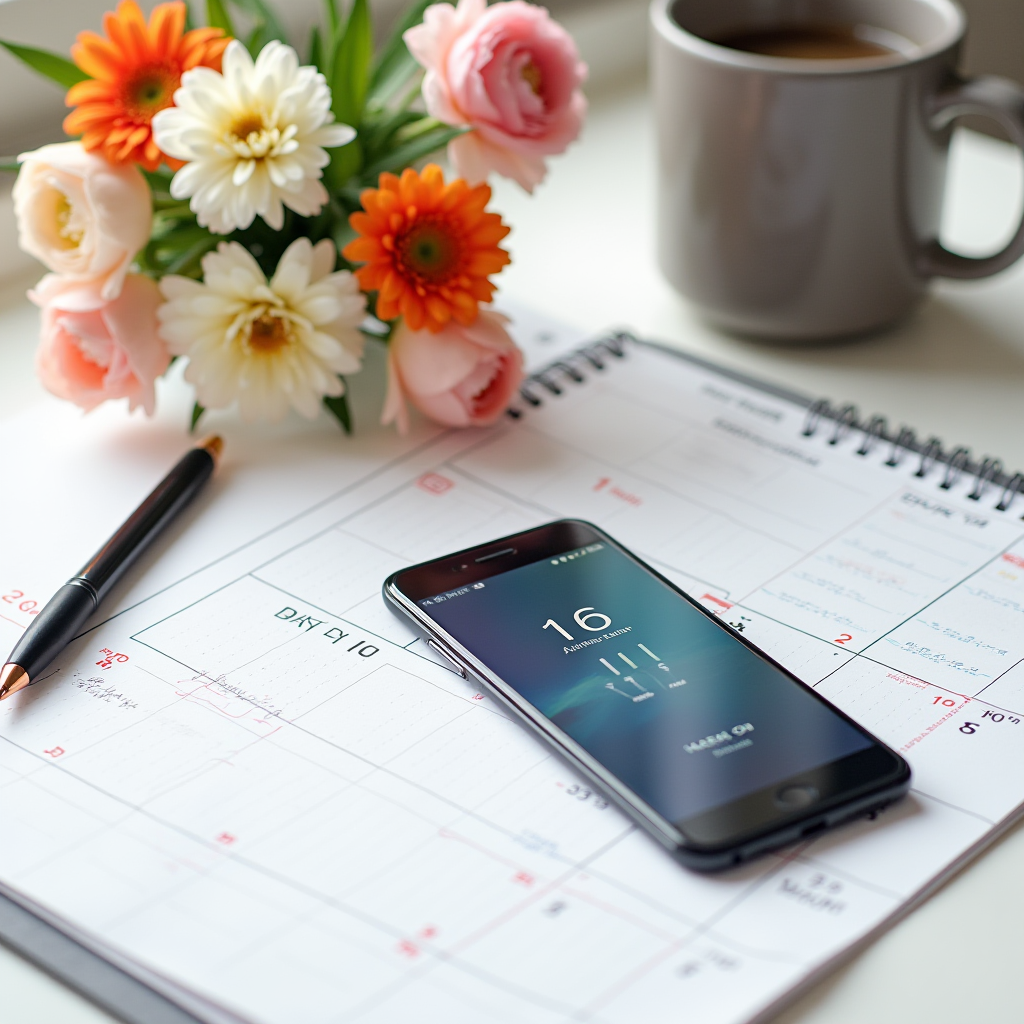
(702, 739)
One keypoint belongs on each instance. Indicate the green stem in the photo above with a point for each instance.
(172, 206)
(421, 127)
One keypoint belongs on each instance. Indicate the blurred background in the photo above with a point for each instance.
(611, 33)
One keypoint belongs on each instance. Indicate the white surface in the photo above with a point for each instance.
(583, 252)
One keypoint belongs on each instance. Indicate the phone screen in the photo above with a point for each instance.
(682, 712)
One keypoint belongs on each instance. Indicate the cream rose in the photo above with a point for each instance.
(83, 217)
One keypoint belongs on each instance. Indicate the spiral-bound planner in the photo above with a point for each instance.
(255, 792)
(986, 473)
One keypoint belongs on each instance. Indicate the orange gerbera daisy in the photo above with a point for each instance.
(135, 71)
(428, 248)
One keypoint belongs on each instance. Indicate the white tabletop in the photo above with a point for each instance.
(583, 250)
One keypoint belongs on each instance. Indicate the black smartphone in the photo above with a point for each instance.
(713, 747)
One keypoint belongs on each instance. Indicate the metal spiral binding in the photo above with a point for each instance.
(930, 454)
(874, 431)
(987, 472)
(846, 420)
(955, 467)
(1010, 491)
(905, 440)
(572, 368)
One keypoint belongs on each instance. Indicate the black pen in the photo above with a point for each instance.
(64, 615)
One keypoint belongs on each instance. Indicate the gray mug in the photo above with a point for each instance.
(801, 199)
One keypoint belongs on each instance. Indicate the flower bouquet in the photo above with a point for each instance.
(225, 203)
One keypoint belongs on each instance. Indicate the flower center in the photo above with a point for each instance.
(247, 125)
(150, 90)
(429, 251)
(530, 74)
(80, 365)
(68, 232)
(483, 396)
(251, 138)
(269, 334)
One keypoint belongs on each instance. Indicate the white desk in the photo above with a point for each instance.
(583, 251)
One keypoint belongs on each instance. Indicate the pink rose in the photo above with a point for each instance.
(460, 377)
(80, 215)
(509, 72)
(92, 350)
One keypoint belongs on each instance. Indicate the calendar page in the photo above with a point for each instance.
(257, 788)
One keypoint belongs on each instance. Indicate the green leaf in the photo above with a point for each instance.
(409, 152)
(316, 49)
(394, 63)
(9, 163)
(346, 161)
(342, 234)
(54, 67)
(160, 178)
(258, 38)
(178, 234)
(189, 261)
(265, 22)
(167, 255)
(403, 69)
(338, 407)
(376, 132)
(350, 73)
(217, 17)
(197, 412)
(329, 43)
(333, 22)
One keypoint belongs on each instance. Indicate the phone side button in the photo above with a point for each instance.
(447, 657)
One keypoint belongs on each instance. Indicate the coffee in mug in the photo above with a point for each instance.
(802, 154)
(811, 42)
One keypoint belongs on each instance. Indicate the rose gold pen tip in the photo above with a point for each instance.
(12, 679)
(214, 444)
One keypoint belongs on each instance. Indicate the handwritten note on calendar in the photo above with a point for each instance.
(260, 785)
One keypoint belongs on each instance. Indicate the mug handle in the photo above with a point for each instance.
(1002, 100)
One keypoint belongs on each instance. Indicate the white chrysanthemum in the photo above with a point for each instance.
(265, 344)
(252, 138)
